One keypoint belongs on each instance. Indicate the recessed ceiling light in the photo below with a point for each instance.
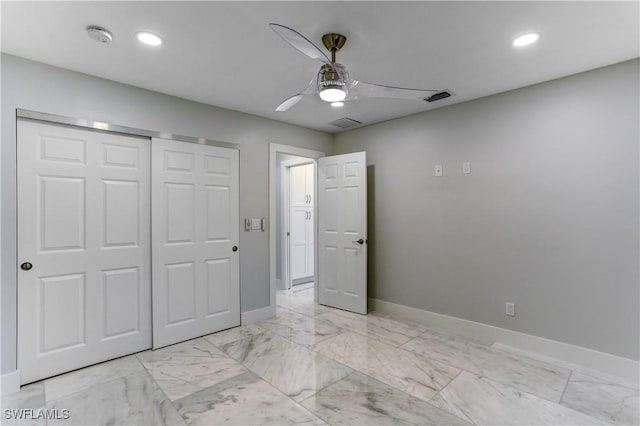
(337, 104)
(149, 38)
(526, 39)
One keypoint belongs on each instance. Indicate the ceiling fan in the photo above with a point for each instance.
(333, 83)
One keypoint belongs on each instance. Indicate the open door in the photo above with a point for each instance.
(342, 232)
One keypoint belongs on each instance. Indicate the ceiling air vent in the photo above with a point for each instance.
(345, 123)
(438, 96)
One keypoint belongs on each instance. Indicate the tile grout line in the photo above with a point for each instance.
(397, 389)
(153, 379)
(310, 347)
(448, 383)
(565, 386)
(393, 386)
(352, 370)
(410, 340)
(172, 402)
(401, 347)
(101, 383)
(289, 398)
(381, 381)
(496, 380)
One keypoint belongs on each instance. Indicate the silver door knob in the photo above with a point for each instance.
(360, 241)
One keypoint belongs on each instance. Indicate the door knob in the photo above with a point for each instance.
(234, 248)
(360, 241)
(26, 266)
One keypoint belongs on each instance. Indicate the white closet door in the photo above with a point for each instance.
(310, 184)
(299, 242)
(309, 177)
(196, 288)
(83, 225)
(342, 232)
(301, 221)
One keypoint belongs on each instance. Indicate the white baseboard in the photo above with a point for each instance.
(258, 315)
(624, 368)
(10, 382)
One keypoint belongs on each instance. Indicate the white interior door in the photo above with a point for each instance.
(311, 229)
(83, 225)
(301, 227)
(342, 232)
(196, 287)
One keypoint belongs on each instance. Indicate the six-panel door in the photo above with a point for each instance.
(342, 232)
(83, 226)
(195, 228)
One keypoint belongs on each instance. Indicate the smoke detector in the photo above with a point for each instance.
(99, 34)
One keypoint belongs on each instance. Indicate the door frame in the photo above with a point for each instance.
(82, 123)
(285, 188)
(274, 149)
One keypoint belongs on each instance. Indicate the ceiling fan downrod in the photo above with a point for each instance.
(333, 42)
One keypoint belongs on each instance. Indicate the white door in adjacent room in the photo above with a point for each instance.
(342, 232)
(196, 288)
(301, 220)
(84, 291)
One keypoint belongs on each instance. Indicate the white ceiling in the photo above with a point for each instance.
(224, 53)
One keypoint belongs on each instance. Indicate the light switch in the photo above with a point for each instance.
(256, 224)
(247, 224)
(438, 170)
(466, 168)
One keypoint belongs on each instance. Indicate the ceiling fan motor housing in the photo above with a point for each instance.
(333, 76)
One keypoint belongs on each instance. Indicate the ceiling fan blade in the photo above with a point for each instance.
(289, 102)
(361, 90)
(292, 100)
(300, 42)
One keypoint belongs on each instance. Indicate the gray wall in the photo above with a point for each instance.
(548, 217)
(34, 86)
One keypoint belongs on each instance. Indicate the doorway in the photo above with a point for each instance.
(292, 204)
(296, 216)
(340, 239)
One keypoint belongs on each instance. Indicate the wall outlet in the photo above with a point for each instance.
(466, 167)
(437, 170)
(510, 309)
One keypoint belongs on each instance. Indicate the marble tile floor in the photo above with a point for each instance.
(313, 365)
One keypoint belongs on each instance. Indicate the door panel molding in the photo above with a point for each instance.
(73, 187)
(195, 225)
(342, 232)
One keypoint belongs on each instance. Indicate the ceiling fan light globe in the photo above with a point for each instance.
(332, 94)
